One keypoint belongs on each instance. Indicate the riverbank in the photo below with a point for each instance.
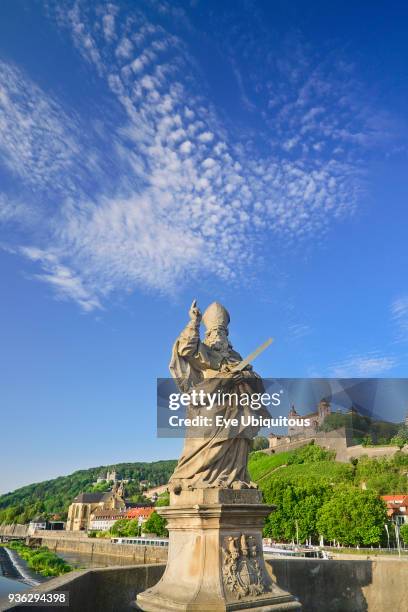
(39, 559)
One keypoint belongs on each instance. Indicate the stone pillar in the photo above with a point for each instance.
(215, 560)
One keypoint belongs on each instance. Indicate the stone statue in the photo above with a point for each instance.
(215, 517)
(219, 459)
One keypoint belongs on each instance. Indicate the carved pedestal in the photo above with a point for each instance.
(215, 558)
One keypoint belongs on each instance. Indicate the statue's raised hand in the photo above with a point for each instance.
(194, 312)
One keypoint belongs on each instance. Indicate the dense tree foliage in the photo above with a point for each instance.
(302, 484)
(383, 475)
(401, 438)
(404, 533)
(163, 499)
(352, 517)
(364, 428)
(54, 496)
(156, 524)
(310, 453)
(125, 528)
(259, 443)
(296, 509)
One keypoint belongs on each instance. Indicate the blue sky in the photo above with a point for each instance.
(155, 152)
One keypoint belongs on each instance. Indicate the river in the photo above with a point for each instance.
(84, 560)
(10, 578)
(15, 575)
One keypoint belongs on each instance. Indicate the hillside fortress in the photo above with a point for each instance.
(316, 418)
(342, 440)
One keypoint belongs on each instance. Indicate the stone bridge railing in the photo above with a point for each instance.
(320, 585)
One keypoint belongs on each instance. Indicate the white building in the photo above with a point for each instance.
(35, 524)
(102, 519)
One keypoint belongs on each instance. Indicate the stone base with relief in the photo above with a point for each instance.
(215, 560)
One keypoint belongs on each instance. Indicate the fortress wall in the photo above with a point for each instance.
(373, 451)
(336, 585)
(340, 441)
(336, 441)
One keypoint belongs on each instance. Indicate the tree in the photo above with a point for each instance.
(352, 517)
(367, 440)
(132, 529)
(139, 498)
(404, 533)
(295, 515)
(311, 453)
(163, 499)
(100, 487)
(119, 528)
(335, 420)
(54, 496)
(401, 439)
(156, 524)
(260, 443)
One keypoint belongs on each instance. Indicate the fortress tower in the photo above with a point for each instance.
(323, 410)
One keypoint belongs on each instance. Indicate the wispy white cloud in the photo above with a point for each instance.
(14, 211)
(66, 284)
(371, 364)
(172, 193)
(35, 144)
(298, 330)
(399, 314)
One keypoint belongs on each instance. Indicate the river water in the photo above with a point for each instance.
(9, 585)
(10, 578)
(83, 560)
(15, 576)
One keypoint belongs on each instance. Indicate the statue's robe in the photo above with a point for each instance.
(218, 457)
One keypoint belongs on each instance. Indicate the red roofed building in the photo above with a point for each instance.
(136, 513)
(397, 507)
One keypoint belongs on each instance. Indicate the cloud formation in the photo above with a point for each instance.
(166, 192)
(399, 314)
(368, 365)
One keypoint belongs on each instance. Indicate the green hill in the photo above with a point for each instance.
(315, 495)
(54, 496)
(311, 463)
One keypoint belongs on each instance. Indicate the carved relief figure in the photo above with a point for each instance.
(241, 568)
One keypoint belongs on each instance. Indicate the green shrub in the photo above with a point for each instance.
(41, 560)
(404, 533)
